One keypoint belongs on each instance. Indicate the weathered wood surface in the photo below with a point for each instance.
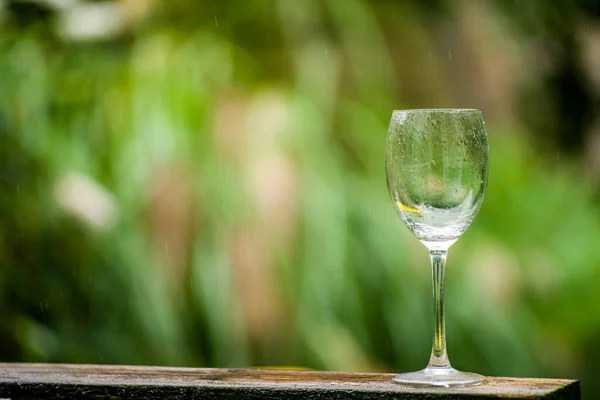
(44, 381)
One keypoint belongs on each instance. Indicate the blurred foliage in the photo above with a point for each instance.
(205, 186)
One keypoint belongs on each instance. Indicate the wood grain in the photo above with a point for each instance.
(45, 381)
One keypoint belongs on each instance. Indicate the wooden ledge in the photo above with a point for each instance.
(44, 381)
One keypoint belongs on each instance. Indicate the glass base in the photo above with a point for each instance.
(442, 377)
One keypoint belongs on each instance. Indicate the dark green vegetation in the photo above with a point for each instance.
(205, 186)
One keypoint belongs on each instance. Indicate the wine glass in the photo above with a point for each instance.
(437, 170)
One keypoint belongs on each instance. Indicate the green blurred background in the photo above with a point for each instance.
(201, 183)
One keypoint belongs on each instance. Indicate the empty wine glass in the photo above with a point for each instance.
(437, 169)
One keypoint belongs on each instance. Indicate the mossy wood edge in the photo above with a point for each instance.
(45, 381)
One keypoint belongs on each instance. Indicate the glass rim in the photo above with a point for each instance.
(439, 110)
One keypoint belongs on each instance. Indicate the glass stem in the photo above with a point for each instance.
(439, 357)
